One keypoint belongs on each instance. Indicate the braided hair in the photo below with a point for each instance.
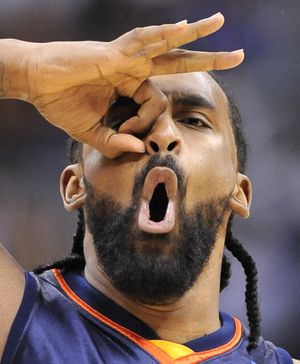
(76, 261)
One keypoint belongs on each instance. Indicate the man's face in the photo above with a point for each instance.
(154, 217)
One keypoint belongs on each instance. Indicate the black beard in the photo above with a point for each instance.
(146, 274)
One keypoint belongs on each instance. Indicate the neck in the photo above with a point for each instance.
(194, 315)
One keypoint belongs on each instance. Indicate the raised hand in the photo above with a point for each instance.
(72, 84)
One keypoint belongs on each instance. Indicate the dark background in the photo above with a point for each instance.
(35, 227)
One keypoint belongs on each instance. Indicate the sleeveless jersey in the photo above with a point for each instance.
(64, 320)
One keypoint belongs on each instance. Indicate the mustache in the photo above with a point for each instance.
(158, 161)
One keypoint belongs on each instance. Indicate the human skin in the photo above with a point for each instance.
(72, 85)
(207, 155)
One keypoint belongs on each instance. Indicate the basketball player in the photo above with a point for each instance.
(158, 171)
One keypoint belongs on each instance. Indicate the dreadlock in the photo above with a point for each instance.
(76, 261)
(251, 297)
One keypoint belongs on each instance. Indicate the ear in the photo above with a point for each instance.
(72, 188)
(241, 196)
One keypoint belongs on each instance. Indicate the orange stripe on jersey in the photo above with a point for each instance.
(174, 350)
(139, 340)
(156, 352)
(208, 354)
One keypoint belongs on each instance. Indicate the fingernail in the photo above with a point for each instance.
(238, 51)
(181, 22)
(217, 14)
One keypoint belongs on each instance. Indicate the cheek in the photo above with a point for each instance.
(211, 174)
(110, 178)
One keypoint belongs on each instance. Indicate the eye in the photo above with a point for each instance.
(195, 121)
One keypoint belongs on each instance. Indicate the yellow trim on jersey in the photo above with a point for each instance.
(174, 350)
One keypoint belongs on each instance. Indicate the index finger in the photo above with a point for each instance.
(152, 104)
(180, 60)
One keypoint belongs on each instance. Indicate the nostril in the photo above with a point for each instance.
(154, 146)
(171, 146)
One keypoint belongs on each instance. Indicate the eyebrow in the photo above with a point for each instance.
(194, 100)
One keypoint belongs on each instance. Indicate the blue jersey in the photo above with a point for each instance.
(64, 320)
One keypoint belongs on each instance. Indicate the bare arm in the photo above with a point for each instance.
(295, 361)
(1, 81)
(11, 291)
(12, 280)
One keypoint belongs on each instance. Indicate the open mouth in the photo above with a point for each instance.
(158, 203)
(157, 210)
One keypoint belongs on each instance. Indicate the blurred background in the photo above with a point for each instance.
(34, 226)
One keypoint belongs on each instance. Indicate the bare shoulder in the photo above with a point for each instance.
(12, 283)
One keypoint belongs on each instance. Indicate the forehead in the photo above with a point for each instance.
(196, 83)
(201, 86)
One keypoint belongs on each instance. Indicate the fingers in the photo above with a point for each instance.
(109, 143)
(133, 41)
(194, 31)
(180, 60)
(156, 40)
(153, 103)
(112, 144)
(118, 144)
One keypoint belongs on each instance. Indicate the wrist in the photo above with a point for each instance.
(14, 57)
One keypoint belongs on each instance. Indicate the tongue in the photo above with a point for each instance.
(156, 227)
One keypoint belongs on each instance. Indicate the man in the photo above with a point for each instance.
(156, 182)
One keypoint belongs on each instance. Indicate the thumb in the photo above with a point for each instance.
(110, 143)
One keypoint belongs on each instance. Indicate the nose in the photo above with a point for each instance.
(163, 137)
